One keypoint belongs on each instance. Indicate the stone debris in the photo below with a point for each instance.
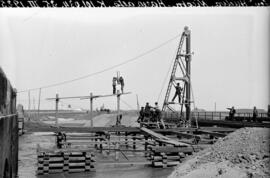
(247, 147)
(245, 151)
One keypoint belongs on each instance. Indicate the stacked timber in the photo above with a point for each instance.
(167, 156)
(66, 161)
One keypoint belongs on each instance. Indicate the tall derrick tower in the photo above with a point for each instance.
(181, 63)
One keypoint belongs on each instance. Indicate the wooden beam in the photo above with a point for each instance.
(123, 129)
(215, 134)
(170, 149)
(187, 135)
(162, 138)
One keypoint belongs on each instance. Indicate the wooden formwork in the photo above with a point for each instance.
(100, 142)
(68, 161)
(163, 148)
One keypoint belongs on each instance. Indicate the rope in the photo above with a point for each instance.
(194, 106)
(127, 104)
(104, 70)
(168, 72)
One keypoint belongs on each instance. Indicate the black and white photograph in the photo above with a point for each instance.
(171, 92)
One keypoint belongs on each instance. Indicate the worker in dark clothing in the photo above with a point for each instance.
(121, 80)
(156, 105)
(152, 114)
(232, 113)
(147, 110)
(118, 119)
(141, 116)
(114, 84)
(158, 114)
(178, 90)
(255, 114)
(157, 111)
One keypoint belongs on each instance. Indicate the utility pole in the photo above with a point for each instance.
(91, 109)
(34, 104)
(188, 69)
(118, 108)
(39, 101)
(56, 109)
(29, 101)
(91, 97)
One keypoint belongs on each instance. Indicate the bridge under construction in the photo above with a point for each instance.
(82, 149)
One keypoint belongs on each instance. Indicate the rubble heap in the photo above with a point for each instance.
(247, 148)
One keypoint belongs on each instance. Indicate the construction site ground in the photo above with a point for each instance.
(243, 153)
(106, 166)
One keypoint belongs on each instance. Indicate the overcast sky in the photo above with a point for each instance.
(230, 65)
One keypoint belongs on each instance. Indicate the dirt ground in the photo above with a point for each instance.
(28, 163)
(28, 145)
(82, 120)
(242, 154)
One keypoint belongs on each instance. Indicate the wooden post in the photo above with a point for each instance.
(118, 107)
(109, 145)
(39, 101)
(145, 146)
(56, 109)
(34, 105)
(29, 101)
(116, 151)
(126, 139)
(134, 142)
(101, 146)
(91, 109)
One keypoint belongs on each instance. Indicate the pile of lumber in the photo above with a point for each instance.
(66, 161)
(166, 156)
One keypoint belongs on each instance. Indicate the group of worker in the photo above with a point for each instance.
(233, 111)
(150, 113)
(118, 81)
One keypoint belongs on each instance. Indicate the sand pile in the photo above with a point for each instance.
(243, 153)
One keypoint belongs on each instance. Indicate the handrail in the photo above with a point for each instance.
(5, 116)
(212, 115)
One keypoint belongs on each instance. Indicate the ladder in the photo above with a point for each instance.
(176, 62)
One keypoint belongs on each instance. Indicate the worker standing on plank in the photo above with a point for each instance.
(118, 119)
(147, 110)
(232, 113)
(255, 114)
(141, 116)
(178, 90)
(156, 105)
(157, 112)
(114, 84)
(121, 80)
